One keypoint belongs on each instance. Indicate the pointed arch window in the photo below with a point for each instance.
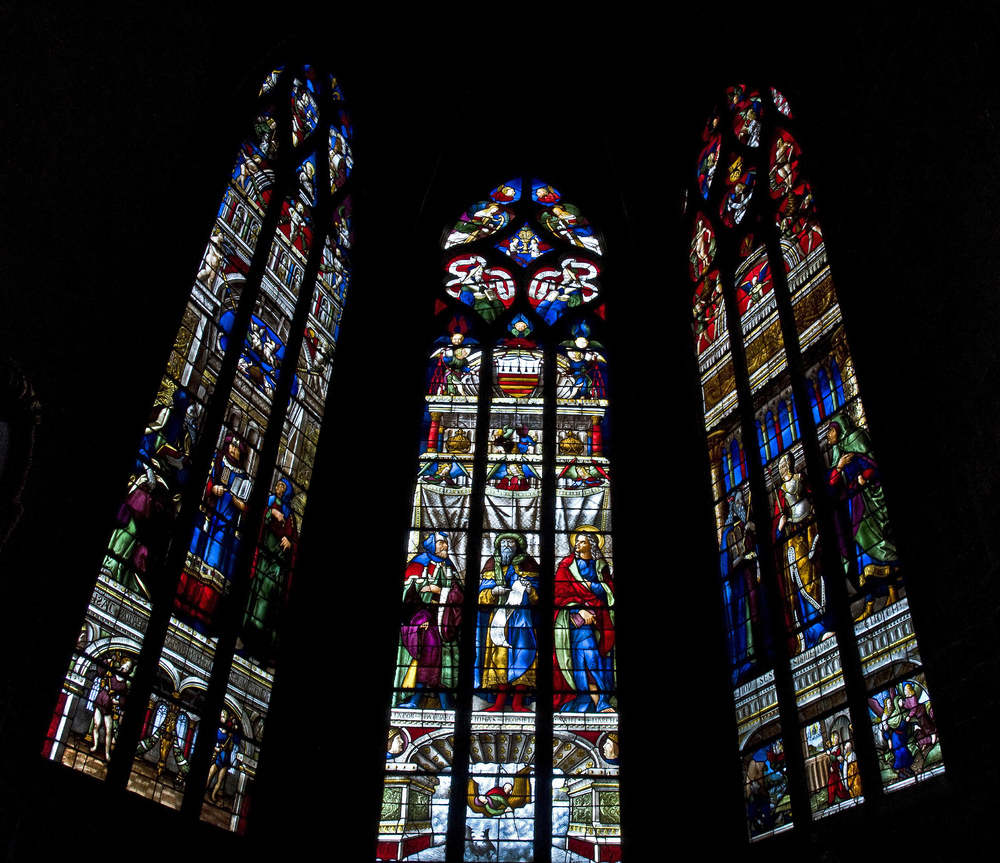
(831, 700)
(503, 727)
(169, 686)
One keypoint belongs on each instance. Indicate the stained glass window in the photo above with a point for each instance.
(502, 739)
(830, 697)
(169, 686)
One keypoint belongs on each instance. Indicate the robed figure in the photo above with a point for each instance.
(427, 657)
(506, 638)
(742, 589)
(863, 530)
(215, 545)
(146, 516)
(836, 790)
(894, 724)
(271, 575)
(584, 638)
(796, 542)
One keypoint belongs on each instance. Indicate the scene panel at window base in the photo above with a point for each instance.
(906, 739)
(762, 754)
(827, 731)
(236, 748)
(586, 810)
(500, 803)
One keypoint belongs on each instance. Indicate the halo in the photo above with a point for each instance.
(589, 529)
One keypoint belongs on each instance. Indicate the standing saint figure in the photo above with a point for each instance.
(271, 576)
(797, 544)
(584, 663)
(215, 546)
(863, 530)
(743, 589)
(506, 639)
(161, 469)
(427, 657)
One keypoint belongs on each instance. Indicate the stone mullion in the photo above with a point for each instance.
(455, 844)
(544, 615)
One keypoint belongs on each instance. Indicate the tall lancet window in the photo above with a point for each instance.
(832, 705)
(503, 732)
(169, 686)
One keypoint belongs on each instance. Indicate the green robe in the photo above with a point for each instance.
(872, 532)
(268, 586)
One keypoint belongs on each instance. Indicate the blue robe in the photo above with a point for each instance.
(519, 628)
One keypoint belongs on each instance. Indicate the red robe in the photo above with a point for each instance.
(571, 594)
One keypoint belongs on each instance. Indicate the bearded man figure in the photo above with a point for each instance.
(507, 643)
(584, 672)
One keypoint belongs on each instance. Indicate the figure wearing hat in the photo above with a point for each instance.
(427, 657)
(507, 643)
